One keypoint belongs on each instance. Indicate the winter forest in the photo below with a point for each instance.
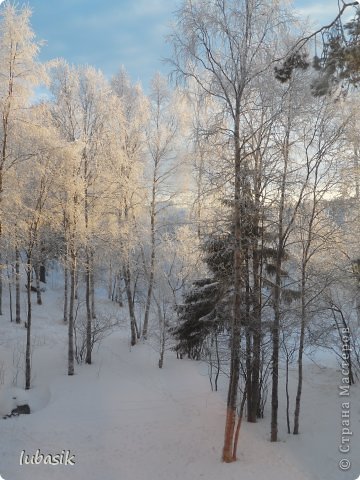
(180, 266)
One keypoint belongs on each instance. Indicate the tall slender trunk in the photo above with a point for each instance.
(4, 151)
(2, 163)
(199, 194)
(248, 333)
(357, 172)
(218, 365)
(92, 285)
(162, 350)
(110, 281)
(71, 312)
(256, 321)
(275, 349)
(300, 354)
(66, 289)
(277, 294)
(152, 259)
(17, 286)
(304, 264)
(28, 323)
(88, 263)
(148, 298)
(162, 328)
(10, 281)
(88, 309)
(287, 393)
(137, 329)
(119, 295)
(127, 279)
(229, 453)
(38, 288)
(77, 284)
(238, 426)
(248, 362)
(1, 283)
(256, 290)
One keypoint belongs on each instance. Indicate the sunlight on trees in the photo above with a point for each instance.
(224, 211)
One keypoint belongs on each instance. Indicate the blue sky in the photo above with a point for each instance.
(105, 33)
(110, 33)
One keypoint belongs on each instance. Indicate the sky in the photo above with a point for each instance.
(111, 33)
(106, 33)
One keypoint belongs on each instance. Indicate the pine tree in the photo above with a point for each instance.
(207, 304)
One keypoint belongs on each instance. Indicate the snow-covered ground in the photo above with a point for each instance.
(124, 419)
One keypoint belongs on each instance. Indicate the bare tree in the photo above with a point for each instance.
(34, 185)
(19, 73)
(161, 133)
(223, 46)
(315, 229)
(128, 199)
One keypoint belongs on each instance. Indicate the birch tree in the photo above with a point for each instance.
(290, 176)
(94, 99)
(65, 111)
(130, 198)
(19, 74)
(224, 46)
(84, 113)
(32, 211)
(315, 230)
(161, 135)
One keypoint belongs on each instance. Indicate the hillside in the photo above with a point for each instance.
(123, 418)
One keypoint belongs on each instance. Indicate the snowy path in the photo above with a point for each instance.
(122, 418)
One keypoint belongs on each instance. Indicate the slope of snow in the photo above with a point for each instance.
(124, 419)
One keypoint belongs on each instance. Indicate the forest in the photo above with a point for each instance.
(216, 215)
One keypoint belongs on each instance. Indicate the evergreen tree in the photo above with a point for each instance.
(207, 306)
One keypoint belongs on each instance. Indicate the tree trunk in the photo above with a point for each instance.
(28, 324)
(256, 321)
(276, 348)
(119, 295)
(162, 351)
(217, 362)
(42, 273)
(277, 295)
(88, 309)
(152, 259)
(66, 290)
(252, 348)
(162, 337)
(300, 356)
(287, 394)
(1, 284)
(229, 453)
(148, 300)
(127, 279)
(38, 288)
(71, 313)
(76, 284)
(199, 182)
(248, 373)
(17, 286)
(92, 285)
(238, 426)
(110, 281)
(1, 198)
(88, 263)
(9, 275)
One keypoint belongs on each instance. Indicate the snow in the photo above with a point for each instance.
(125, 419)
